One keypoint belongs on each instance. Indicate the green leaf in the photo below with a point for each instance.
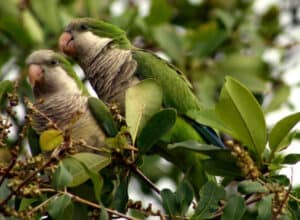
(103, 214)
(5, 87)
(121, 196)
(155, 128)
(280, 179)
(234, 209)
(280, 96)
(93, 162)
(222, 168)
(11, 23)
(206, 39)
(50, 139)
(249, 187)
(197, 147)
(33, 141)
(51, 25)
(103, 116)
(61, 208)
(279, 133)
(169, 201)
(184, 197)
(210, 195)
(160, 12)
(142, 101)
(225, 17)
(25, 202)
(96, 179)
(170, 42)
(291, 159)
(264, 207)
(62, 177)
(32, 27)
(240, 111)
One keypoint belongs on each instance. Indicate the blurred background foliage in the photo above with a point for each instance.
(206, 39)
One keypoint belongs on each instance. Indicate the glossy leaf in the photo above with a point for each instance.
(103, 116)
(210, 195)
(234, 209)
(169, 201)
(249, 187)
(240, 111)
(62, 177)
(142, 101)
(155, 128)
(291, 159)
(96, 180)
(221, 168)
(280, 132)
(184, 197)
(195, 146)
(61, 208)
(79, 174)
(264, 208)
(50, 139)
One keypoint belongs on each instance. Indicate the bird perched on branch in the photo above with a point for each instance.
(112, 65)
(61, 98)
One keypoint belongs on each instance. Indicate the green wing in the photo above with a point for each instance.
(176, 89)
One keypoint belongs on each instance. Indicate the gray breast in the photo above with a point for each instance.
(110, 73)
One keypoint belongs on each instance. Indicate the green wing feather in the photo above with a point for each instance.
(177, 92)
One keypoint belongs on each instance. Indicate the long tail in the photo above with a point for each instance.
(207, 133)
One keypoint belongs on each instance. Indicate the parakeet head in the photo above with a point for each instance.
(85, 34)
(50, 73)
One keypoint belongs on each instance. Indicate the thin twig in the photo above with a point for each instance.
(146, 179)
(294, 198)
(89, 203)
(36, 208)
(282, 204)
(54, 157)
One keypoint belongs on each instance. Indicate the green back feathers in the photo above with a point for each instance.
(176, 90)
(66, 65)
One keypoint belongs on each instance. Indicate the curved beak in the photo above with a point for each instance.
(35, 73)
(66, 43)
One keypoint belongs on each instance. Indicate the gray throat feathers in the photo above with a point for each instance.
(60, 109)
(110, 71)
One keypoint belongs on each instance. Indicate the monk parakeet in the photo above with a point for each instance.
(112, 65)
(61, 97)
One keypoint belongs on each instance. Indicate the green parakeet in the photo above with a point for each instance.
(112, 65)
(61, 97)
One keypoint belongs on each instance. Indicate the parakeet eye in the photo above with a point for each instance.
(53, 62)
(83, 27)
